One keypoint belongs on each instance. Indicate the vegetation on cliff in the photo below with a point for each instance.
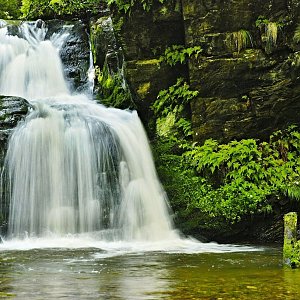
(30, 9)
(221, 182)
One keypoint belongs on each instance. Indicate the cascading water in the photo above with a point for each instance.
(74, 166)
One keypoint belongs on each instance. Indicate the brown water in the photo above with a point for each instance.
(92, 274)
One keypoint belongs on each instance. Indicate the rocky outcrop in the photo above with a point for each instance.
(143, 37)
(248, 76)
(12, 110)
(75, 53)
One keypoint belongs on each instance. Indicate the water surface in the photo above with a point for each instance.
(92, 273)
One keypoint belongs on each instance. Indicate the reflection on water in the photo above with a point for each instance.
(90, 274)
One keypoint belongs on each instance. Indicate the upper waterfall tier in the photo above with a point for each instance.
(30, 63)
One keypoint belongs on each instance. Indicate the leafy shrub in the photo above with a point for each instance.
(179, 54)
(126, 5)
(169, 109)
(113, 90)
(9, 9)
(224, 181)
(52, 8)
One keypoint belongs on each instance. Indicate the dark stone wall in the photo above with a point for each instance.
(143, 37)
(247, 92)
(248, 85)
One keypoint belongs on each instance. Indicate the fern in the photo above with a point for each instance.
(297, 34)
(179, 54)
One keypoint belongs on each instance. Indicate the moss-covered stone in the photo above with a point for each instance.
(146, 78)
(145, 35)
(102, 39)
(240, 59)
(291, 247)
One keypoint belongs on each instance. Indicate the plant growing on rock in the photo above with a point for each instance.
(179, 54)
(126, 5)
(297, 34)
(270, 31)
(169, 109)
(241, 40)
(113, 89)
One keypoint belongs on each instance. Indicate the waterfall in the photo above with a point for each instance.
(74, 166)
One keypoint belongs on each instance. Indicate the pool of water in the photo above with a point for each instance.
(92, 273)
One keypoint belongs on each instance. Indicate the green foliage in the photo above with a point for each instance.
(247, 174)
(181, 182)
(297, 34)
(114, 91)
(182, 185)
(10, 9)
(125, 6)
(291, 247)
(242, 39)
(295, 255)
(263, 21)
(174, 98)
(224, 181)
(52, 8)
(271, 30)
(169, 109)
(179, 54)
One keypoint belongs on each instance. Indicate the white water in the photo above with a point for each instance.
(78, 174)
(74, 166)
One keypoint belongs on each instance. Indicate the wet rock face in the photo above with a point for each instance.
(12, 110)
(249, 81)
(75, 53)
(247, 76)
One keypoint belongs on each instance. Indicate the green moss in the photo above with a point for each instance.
(143, 89)
(291, 247)
(113, 90)
(148, 62)
(118, 24)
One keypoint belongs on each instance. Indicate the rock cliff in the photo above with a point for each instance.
(249, 70)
